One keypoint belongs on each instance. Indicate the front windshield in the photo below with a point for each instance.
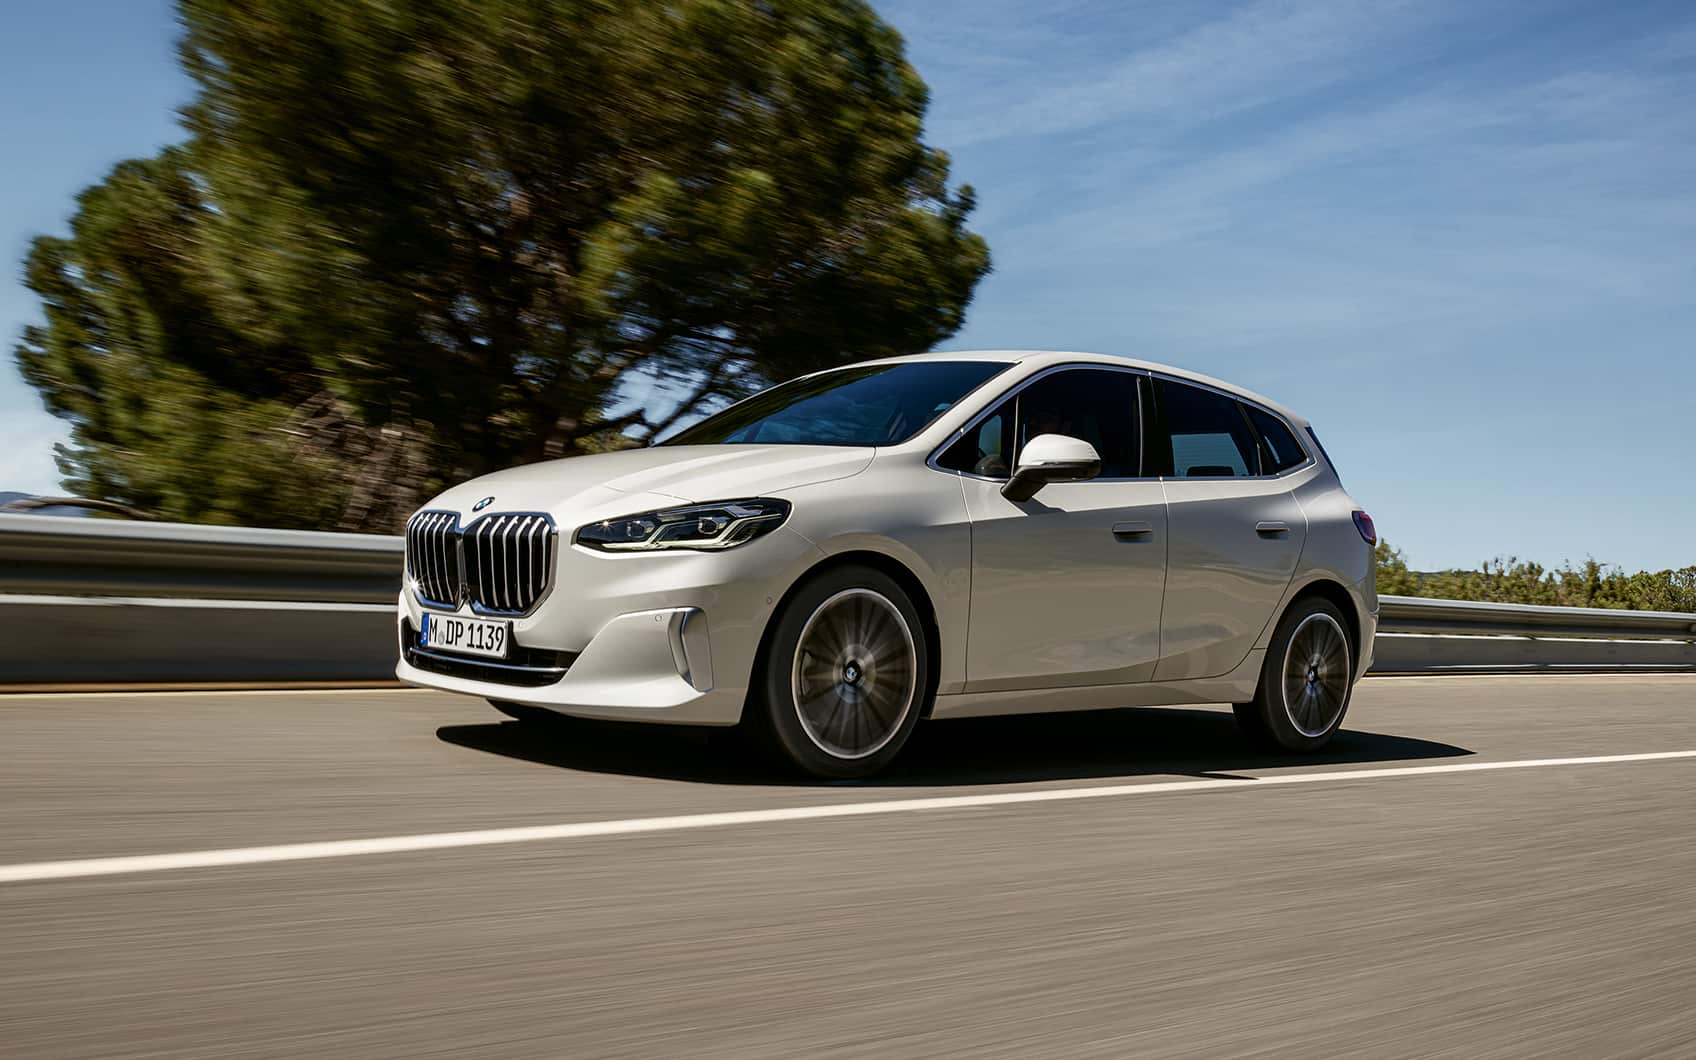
(872, 404)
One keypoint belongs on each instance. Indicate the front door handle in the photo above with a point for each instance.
(1271, 529)
(1126, 531)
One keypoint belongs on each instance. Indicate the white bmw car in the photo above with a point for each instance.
(836, 559)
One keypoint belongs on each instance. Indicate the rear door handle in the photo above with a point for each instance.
(1271, 529)
(1125, 531)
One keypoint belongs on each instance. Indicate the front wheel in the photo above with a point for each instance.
(1305, 682)
(846, 674)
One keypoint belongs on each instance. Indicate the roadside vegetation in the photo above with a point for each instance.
(1514, 581)
(404, 244)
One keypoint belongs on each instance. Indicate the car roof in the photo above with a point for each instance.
(1039, 359)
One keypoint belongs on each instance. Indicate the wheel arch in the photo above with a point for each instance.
(886, 564)
(1337, 594)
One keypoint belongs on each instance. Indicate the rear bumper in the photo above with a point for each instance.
(1367, 593)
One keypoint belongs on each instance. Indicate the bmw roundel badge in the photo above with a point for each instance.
(484, 503)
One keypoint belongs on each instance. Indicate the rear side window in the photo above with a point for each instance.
(1099, 407)
(1206, 434)
(1282, 450)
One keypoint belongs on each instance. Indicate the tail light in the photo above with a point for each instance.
(1363, 523)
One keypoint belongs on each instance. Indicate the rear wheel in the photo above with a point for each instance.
(1306, 681)
(846, 674)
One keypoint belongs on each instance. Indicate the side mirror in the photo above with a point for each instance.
(1051, 458)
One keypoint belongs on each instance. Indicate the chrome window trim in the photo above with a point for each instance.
(1142, 413)
(457, 535)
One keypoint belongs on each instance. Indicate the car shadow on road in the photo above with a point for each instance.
(1096, 744)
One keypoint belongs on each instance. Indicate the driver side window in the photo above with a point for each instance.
(1098, 406)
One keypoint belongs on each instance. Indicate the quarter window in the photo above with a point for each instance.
(1282, 450)
(1100, 407)
(1206, 434)
(983, 449)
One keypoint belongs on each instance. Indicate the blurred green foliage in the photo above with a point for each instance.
(1513, 581)
(410, 243)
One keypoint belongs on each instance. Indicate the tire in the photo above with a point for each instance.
(1306, 681)
(845, 676)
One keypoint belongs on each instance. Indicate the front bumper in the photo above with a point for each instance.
(664, 637)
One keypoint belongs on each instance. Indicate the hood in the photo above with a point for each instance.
(688, 473)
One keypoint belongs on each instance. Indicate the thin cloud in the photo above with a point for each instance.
(1461, 204)
(1245, 57)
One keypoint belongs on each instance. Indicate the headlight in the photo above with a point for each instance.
(705, 527)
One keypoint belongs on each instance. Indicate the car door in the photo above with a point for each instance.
(1235, 530)
(1066, 586)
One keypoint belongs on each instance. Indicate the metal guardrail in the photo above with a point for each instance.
(109, 640)
(1434, 636)
(90, 557)
(1410, 614)
(93, 600)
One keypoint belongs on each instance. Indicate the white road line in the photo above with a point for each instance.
(1533, 676)
(343, 848)
(174, 692)
(387, 689)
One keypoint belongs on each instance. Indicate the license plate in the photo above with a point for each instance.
(468, 636)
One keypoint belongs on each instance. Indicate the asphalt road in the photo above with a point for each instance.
(1520, 912)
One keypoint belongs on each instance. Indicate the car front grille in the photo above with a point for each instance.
(501, 563)
(507, 561)
(432, 556)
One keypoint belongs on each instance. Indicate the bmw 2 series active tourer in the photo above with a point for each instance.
(832, 561)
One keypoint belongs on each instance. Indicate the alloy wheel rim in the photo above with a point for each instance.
(855, 674)
(1316, 675)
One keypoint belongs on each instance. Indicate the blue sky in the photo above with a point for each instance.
(84, 84)
(1458, 236)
